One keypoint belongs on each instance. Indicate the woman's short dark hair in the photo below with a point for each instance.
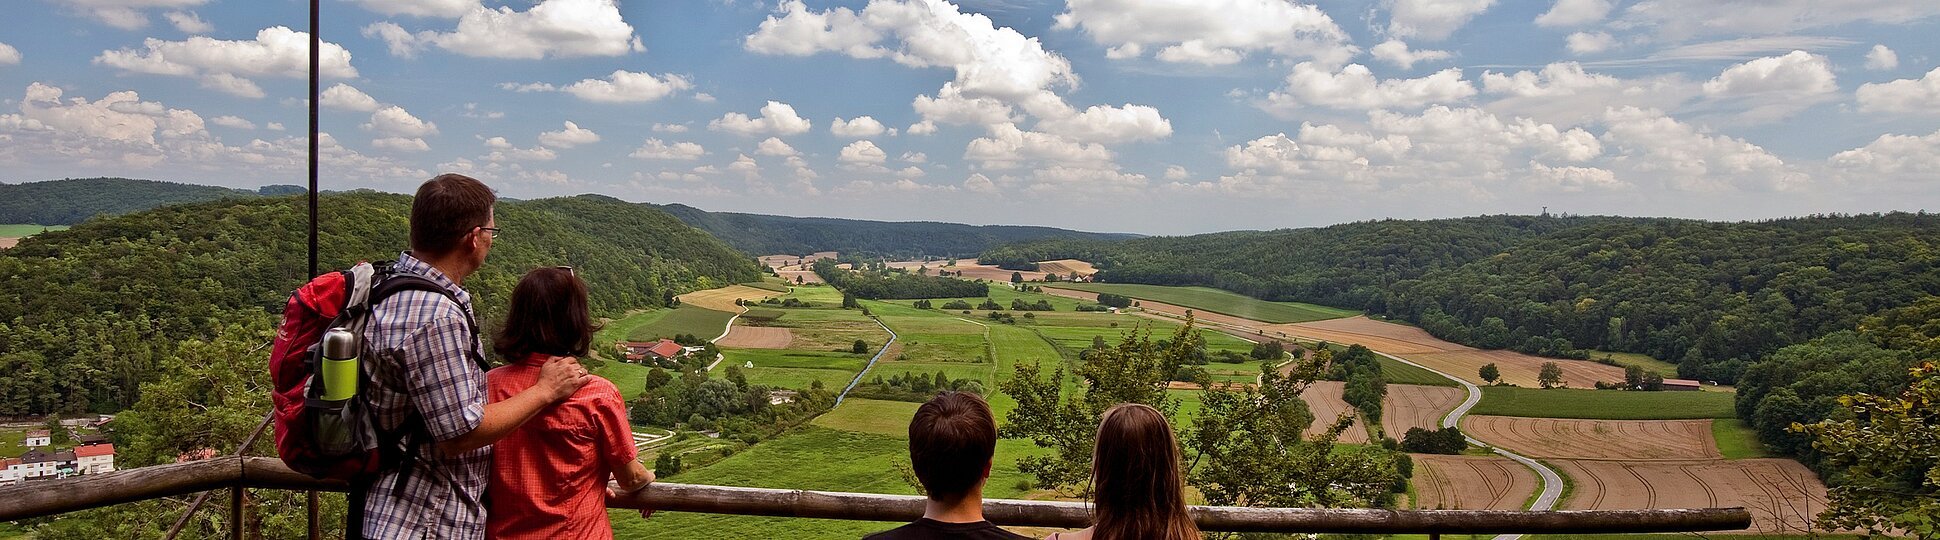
(951, 439)
(548, 316)
(446, 209)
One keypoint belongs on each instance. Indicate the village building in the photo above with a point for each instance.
(778, 397)
(94, 459)
(39, 438)
(665, 349)
(1682, 385)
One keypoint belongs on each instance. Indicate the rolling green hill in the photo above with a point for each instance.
(758, 234)
(1711, 296)
(71, 201)
(100, 303)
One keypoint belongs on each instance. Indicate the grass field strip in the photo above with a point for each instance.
(1552, 482)
(989, 348)
(865, 368)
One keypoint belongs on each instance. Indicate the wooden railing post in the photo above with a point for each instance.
(235, 512)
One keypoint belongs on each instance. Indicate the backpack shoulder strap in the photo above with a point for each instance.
(391, 283)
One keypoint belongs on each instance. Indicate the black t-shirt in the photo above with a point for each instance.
(926, 528)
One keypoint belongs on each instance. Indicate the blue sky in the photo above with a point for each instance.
(1149, 116)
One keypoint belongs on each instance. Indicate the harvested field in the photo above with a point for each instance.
(1323, 398)
(992, 273)
(1781, 494)
(1412, 406)
(1517, 368)
(1633, 440)
(722, 299)
(7, 242)
(757, 337)
(1471, 482)
(1066, 267)
(1387, 337)
(799, 276)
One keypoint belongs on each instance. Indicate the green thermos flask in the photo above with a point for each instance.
(340, 349)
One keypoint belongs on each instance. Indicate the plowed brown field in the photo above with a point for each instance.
(1412, 406)
(8, 241)
(1471, 482)
(1781, 494)
(1066, 267)
(1635, 440)
(1387, 337)
(1517, 368)
(1323, 398)
(757, 337)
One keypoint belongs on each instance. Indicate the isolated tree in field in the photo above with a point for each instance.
(1653, 382)
(849, 301)
(859, 347)
(1490, 374)
(1633, 377)
(1016, 277)
(1267, 350)
(1885, 454)
(1551, 375)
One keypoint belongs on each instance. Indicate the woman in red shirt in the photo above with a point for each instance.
(549, 476)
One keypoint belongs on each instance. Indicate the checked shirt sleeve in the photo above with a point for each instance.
(446, 388)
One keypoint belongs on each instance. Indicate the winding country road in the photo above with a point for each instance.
(1552, 482)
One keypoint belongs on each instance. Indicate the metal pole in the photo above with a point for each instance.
(314, 46)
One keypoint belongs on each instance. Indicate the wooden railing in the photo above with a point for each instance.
(45, 498)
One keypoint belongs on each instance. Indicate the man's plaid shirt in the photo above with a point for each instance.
(418, 346)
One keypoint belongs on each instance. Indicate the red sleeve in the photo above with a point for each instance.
(616, 434)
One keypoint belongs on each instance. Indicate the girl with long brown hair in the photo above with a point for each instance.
(1137, 490)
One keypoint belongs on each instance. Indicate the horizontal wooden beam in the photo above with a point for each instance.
(42, 498)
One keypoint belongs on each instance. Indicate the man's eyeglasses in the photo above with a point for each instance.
(490, 230)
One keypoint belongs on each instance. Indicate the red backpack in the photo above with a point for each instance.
(338, 439)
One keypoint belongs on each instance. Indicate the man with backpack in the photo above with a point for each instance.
(427, 382)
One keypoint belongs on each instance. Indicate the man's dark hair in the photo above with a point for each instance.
(548, 316)
(445, 210)
(951, 439)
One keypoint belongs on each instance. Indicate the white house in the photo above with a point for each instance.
(94, 459)
(38, 438)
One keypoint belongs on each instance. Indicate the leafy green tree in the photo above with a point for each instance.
(57, 433)
(1885, 456)
(1489, 373)
(1247, 447)
(1016, 277)
(1137, 370)
(658, 377)
(859, 347)
(1551, 375)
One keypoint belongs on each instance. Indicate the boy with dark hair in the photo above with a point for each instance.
(427, 390)
(951, 441)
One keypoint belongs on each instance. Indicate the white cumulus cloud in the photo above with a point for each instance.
(236, 122)
(1882, 58)
(346, 97)
(1774, 87)
(1212, 32)
(1916, 96)
(1568, 13)
(859, 128)
(394, 121)
(570, 136)
(620, 87)
(551, 29)
(9, 56)
(1106, 124)
(1432, 20)
(776, 118)
(449, 9)
(1904, 157)
(988, 60)
(1355, 87)
(225, 65)
(188, 22)
(1582, 43)
(658, 149)
(1396, 52)
(774, 147)
(862, 153)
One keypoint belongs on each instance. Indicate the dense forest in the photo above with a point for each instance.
(1713, 297)
(71, 201)
(769, 235)
(877, 283)
(92, 300)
